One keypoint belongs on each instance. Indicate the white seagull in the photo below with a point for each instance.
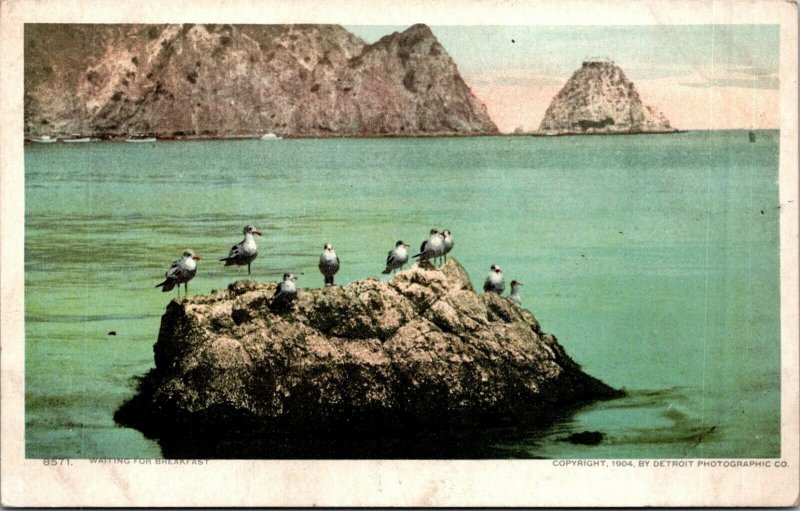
(447, 242)
(432, 248)
(494, 282)
(245, 251)
(397, 257)
(514, 296)
(180, 272)
(328, 264)
(286, 291)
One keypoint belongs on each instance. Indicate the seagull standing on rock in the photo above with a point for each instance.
(397, 257)
(432, 248)
(328, 264)
(245, 251)
(494, 282)
(286, 292)
(180, 272)
(514, 296)
(447, 243)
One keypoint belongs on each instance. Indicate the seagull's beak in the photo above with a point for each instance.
(520, 283)
(257, 232)
(196, 258)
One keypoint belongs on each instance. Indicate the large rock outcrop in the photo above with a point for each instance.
(242, 80)
(599, 98)
(421, 350)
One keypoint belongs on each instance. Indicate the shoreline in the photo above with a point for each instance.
(173, 138)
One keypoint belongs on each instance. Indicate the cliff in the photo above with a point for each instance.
(599, 98)
(422, 350)
(242, 80)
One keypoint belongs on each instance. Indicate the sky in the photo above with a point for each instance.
(699, 76)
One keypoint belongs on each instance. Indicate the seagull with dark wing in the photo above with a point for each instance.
(432, 248)
(245, 251)
(397, 257)
(328, 264)
(514, 296)
(494, 282)
(180, 272)
(286, 292)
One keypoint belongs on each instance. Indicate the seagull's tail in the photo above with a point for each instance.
(387, 271)
(167, 285)
(417, 255)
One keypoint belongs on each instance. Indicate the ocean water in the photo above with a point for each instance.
(653, 259)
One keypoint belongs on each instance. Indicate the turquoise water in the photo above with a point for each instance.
(653, 259)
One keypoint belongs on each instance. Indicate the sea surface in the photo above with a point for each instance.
(653, 259)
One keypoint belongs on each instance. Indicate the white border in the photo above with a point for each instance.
(380, 483)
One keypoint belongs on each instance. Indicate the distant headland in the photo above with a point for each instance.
(241, 81)
(188, 81)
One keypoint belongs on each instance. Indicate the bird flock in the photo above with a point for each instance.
(435, 248)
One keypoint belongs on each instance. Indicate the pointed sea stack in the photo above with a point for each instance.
(599, 98)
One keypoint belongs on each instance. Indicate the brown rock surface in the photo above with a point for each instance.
(242, 80)
(421, 350)
(599, 98)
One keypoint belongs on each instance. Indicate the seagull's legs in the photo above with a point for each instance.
(185, 288)
(248, 268)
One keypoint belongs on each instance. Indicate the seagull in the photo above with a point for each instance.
(432, 248)
(245, 251)
(448, 242)
(514, 296)
(397, 257)
(328, 264)
(286, 291)
(180, 272)
(494, 282)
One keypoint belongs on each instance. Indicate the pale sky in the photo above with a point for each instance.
(699, 76)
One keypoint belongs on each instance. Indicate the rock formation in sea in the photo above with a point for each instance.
(242, 80)
(599, 98)
(422, 350)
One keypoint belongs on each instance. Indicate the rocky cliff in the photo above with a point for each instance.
(599, 98)
(421, 350)
(242, 80)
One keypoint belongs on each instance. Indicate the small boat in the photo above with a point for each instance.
(752, 135)
(76, 140)
(271, 136)
(140, 139)
(44, 139)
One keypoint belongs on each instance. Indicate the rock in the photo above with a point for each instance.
(242, 80)
(421, 350)
(599, 98)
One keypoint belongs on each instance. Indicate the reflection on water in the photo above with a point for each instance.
(654, 259)
(660, 421)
